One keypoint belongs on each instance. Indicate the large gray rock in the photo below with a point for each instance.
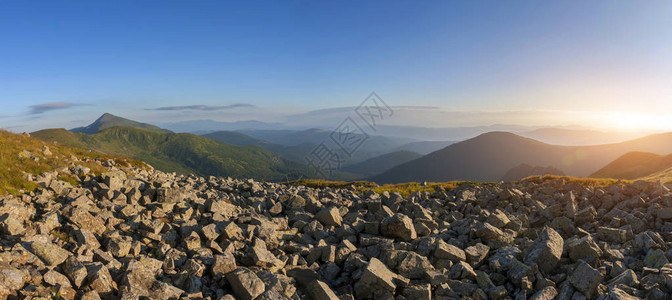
(398, 226)
(583, 248)
(51, 254)
(320, 290)
(329, 216)
(245, 284)
(585, 279)
(448, 251)
(376, 280)
(546, 250)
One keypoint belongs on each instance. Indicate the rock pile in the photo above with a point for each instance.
(132, 233)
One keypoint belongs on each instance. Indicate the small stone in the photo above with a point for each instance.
(547, 293)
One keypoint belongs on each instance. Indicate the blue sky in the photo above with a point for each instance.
(63, 63)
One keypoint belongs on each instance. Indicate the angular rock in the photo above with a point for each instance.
(448, 251)
(245, 284)
(376, 280)
(51, 254)
(546, 251)
(398, 226)
(585, 279)
(329, 217)
(320, 290)
(583, 248)
(547, 293)
(224, 264)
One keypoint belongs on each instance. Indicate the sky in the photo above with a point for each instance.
(604, 64)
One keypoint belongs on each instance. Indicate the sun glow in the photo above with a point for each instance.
(635, 121)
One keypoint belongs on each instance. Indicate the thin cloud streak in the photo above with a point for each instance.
(46, 107)
(202, 107)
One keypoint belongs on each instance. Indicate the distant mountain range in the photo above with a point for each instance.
(281, 154)
(380, 164)
(184, 153)
(489, 156)
(297, 145)
(425, 147)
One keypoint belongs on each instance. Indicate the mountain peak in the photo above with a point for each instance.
(108, 120)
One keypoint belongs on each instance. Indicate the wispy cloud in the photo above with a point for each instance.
(45, 107)
(203, 107)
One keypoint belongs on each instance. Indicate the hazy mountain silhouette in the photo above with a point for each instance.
(489, 156)
(634, 165)
(381, 163)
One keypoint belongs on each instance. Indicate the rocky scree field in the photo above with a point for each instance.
(133, 233)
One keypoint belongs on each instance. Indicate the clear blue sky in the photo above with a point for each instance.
(129, 56)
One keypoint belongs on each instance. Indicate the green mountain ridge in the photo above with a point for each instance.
(109, 120)
(182, 153)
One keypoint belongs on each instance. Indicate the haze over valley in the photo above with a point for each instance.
(335, 150)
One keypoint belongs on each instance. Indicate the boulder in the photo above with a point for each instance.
(398, 226)
(546, 250)
(245, 284)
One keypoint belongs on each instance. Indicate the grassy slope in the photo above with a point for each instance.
(406, 189)
(13, 168)
(183, 153)
(634, 165)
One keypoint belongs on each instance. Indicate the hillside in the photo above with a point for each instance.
(21, 155)
(381, 163)
(634, 165)
(525, 170)
(108, 121)
(489, 156)
(183, 153)
(235, 138)
(425, 147)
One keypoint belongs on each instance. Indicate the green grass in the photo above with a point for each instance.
(182, 153)
(13, 168)
(405, 189)
(592, 182)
